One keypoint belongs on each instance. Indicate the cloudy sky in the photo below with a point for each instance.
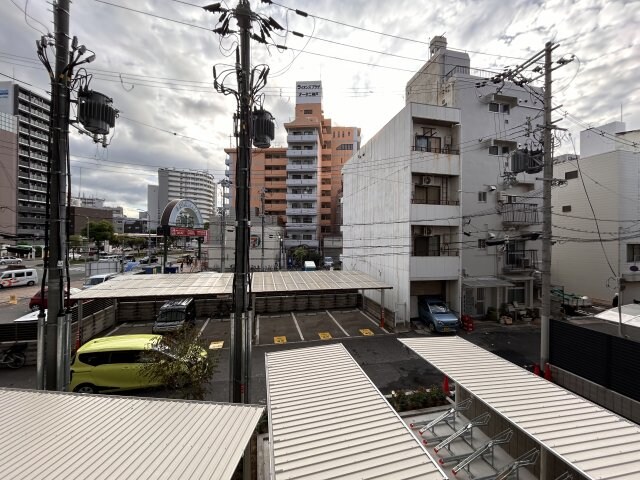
(159, 70)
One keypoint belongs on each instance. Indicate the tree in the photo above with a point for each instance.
(180, 361)
(75, 242)
(99, 231)
(300, 254)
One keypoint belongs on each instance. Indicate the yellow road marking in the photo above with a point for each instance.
(366, 332)
(281, 339)
(217, 345)
(324, 335)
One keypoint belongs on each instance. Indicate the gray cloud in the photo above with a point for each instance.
(170, 68)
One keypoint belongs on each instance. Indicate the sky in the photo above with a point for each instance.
(159, 71)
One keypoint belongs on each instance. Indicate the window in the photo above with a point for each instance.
(427, 246)
(325, 217)
(482, 243)
(482, 196)
(307, 112)
(499, 108)
(19, 274)
(424, 143)
(516, 294)
(95, 358)
(133, 356)
(633, 252)
(345, 146)
(570, 175)
(566, 208)
(307, 237)
(498, 150)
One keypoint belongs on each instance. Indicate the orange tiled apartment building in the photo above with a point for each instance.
(302, 183)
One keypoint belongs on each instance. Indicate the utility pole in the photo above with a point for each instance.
(223, 226)
(547, 180)
(241, 328)
(59, 131)
(263, 191)
(249, 83)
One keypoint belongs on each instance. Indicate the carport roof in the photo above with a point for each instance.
(68, 435)
(485, 282)
(327, 420)
(593, 440)
(296, 281)
(140, 286)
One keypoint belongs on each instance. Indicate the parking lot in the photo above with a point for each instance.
(294, 327)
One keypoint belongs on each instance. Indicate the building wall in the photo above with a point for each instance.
(80, 216)
(611, 180)
(8, 175)
(32, 111)
(380, 217)
(153, 206)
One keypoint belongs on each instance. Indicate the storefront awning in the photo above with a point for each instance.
(485, 282)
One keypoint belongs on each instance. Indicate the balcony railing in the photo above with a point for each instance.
(520, 213)
(445, 150)
(520, 260)
(419, 201)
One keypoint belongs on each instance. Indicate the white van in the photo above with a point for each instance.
(309, 266)
(15, 278)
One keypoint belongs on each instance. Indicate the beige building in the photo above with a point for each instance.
(9, 175)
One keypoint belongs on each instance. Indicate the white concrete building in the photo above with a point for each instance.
(609, 166)
(173, 184)
(423, 196)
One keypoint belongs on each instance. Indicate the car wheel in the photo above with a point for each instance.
(17, 360)
(31, 283)
(85, 388)
(3, 263)
(34, 308)
(432, 327)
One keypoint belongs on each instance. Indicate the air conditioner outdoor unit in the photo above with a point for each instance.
(426, 180)
(447, 140)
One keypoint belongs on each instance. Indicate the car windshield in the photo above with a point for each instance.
(96, 281)
(438, 307)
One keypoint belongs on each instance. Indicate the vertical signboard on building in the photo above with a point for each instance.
(309, 92)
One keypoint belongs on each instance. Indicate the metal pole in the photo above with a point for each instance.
(239, 369)
(59, 133)
(223, 226)
(262, 193)
(148, 239)
(546, 212)
(620, 283)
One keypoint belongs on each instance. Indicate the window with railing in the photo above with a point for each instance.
(633, 252)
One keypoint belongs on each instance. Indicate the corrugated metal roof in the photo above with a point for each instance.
(590, 438)
(140, 286)
(292, 281)
(630, 315)
(327, 420)
(56, 435)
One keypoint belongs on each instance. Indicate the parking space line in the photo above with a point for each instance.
(295, 320)
(336, 322)
(258, 329)
(377, 324)
(114, 330)
(203, 327)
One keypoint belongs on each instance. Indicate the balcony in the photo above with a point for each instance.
(293, 153)
(302, 182)
(447, 213)
(514, 214)
(435, 267)
(305, 138)
(436, 161)
(292, 242)
(301, 212)
(301, 197)
(305, 167)
(298, 227)
(520, 261)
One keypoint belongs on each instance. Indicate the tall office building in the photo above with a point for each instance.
(173, 184)
(30, 162)
(302, 184)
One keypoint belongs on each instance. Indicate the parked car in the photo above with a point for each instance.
(98, 279)
(36, 300)
(114, 363)
(437, 315)
(146, 259)
(327, 263)
(9, 260)
(175, 314)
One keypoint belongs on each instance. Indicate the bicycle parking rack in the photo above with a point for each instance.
(500, 439)
(449, 415)
(505, 472)
(479, 421)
